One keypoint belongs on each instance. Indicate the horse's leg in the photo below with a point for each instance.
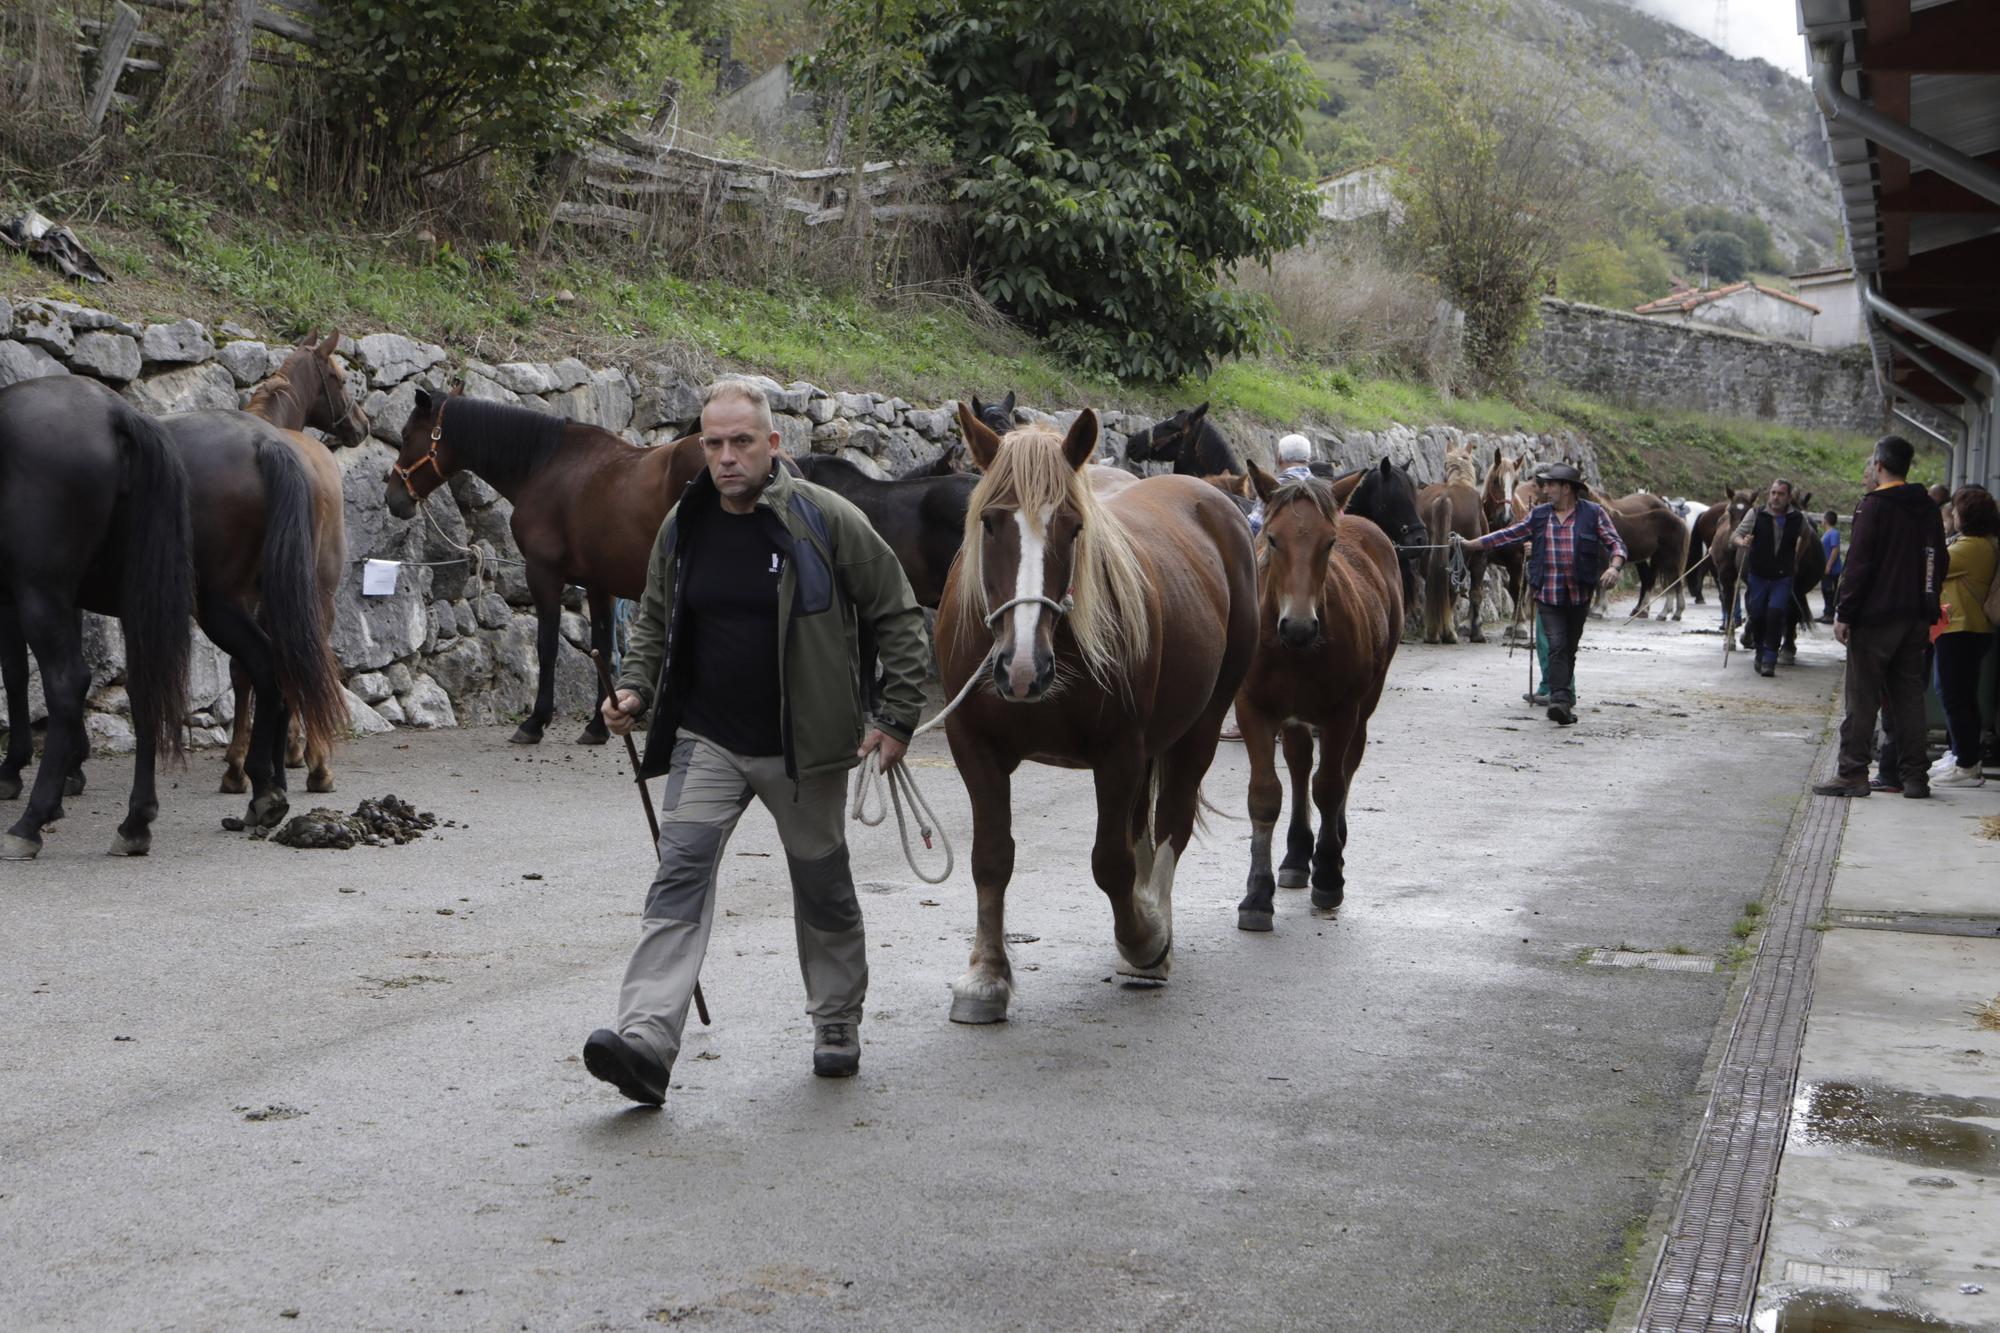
(594, 731)
(319, 766)
(545, 586)
(232, 630)
(1298, 743)
(54, 632)
(234, 781)
(982, 994)
(1267, 797)
(135, 835)
(1476, 628)
(1341, 747)
(1126, 871)
(20, 731)
(1643, 611)
(295, 744)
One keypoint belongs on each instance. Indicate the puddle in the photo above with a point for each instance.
(1922, 1129)
(1824, 1312)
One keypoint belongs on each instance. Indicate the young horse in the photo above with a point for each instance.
(93, 516)
(587, 507)
(1093, 649)
(1237, 487)
(922, 518)
(1329, 617)
(1188, 440)
(1655, 545)
(309, 389)
(1449, 506)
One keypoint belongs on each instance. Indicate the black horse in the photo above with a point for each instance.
(1386, 495)
(1188, 440)
(921, 518)
(93, 516)
(997, 417)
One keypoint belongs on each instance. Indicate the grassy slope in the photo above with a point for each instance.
(285, 285)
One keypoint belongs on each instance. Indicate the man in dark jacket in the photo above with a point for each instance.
(1576, 549)
(1888, 602)
(1770, 534)
(746, 646)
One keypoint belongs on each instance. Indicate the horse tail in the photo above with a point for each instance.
(156, 591)
(294, 613)
(1437, 568)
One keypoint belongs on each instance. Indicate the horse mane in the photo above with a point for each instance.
(1459, 469)
(1306, 490)
(1109, 618)
(280, 383)
(1229, 483)
(507, 443)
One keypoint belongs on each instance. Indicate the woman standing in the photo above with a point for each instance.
(1975, 557)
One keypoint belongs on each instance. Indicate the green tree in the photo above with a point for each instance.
(415, 88)
(1114, 158)
(1722, 255)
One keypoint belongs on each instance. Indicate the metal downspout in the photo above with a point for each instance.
(1920, 148)
(1980, 423)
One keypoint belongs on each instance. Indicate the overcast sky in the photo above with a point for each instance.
(1768, 29)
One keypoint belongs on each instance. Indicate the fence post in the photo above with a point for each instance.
(238, 16)
(111, 61)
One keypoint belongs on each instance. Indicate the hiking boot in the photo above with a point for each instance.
(1890, 785)
(1788, 656)
(1561, 715)
(1766, 669)
(1842, 788)
(1917, 791)
(626, 1066)
(836, 1051)
(1537, 699)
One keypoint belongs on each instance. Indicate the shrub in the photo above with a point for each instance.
(1343, 300)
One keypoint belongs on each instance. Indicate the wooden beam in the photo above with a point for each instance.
(1932, 193)
(111, 62)
(1960, 38)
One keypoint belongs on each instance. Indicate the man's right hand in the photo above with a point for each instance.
(620, 710)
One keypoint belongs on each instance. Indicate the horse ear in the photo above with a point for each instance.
(978, 408)
(426, 402)
(1261, 481)
(329, 345)
(1388, 468)
(980, 441)
(1080, 445)
(1194, 417)
(1008, 406)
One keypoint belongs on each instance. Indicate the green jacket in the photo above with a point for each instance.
(840, 578)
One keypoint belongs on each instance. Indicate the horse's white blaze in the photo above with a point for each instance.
(1028, 576)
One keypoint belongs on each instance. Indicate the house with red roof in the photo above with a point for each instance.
(1747, 307)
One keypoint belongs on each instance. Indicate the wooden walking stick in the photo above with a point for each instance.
(645, 799)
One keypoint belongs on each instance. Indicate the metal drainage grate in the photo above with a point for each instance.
(1706, 1277)
(1651, 960)
(1839, 1275)
(1919, 923)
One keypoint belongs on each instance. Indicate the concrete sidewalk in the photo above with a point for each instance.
(1887, 1208)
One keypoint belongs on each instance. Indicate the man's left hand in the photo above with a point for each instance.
(886, 747)
(1609, 578)
(1840, 630)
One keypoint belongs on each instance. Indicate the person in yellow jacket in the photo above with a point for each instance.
(1975, 560)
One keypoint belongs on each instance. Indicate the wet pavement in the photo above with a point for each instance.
(241, 1082)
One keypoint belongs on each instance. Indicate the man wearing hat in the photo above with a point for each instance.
(1575, 549)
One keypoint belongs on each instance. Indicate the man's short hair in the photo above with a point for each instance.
(1893, 454)
(742, 390)
(1830, 517)
(1776, 482)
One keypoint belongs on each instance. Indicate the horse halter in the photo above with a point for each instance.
(1062, 608)
(430, 458)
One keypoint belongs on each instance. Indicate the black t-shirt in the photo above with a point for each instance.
(730, 629)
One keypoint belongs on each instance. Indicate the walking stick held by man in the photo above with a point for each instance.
(645, 799)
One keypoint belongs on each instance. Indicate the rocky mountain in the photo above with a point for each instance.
(1703, 126)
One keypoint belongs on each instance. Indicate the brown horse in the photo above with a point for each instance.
(1496, 505)
(1449, 506)
(1329, 617)
(1723, 556)
(1103, 624)
(588, 505)
(309, 389)
(1655, 545)
(1731, 508)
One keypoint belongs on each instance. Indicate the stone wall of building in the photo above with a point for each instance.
(1646, 362)
(455, 644)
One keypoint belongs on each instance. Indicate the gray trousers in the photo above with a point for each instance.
(707, 791)
(1885, 674)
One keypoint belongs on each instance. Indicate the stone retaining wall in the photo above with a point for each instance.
(455, 644)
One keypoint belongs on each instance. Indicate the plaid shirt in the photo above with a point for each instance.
(1559, 585)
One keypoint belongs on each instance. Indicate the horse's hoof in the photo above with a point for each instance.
(16, 848)
(234, 784)
(320, 782)
(299, 762)
(590, 737)
(10, 789)
(124, 846)
(1328, 897)
(268, 811)
(1248, 919)
(523, 736)
(1154, 971)
(975, 1009)
(1292, 879)
(73, 785)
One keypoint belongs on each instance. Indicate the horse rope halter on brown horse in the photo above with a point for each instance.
(473, 555)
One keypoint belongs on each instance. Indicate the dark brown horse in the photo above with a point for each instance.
(587, 507)
(309, 389)
(922, 518)
(1733, 505)
(1449, 506)
(1655, 546)
(93, 517)
(1329, 617)
(1725, 559)
(1187, 439)
(1104, 623)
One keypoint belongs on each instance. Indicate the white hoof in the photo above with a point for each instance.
(976, 998)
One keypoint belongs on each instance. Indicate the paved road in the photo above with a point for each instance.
(238, 1081)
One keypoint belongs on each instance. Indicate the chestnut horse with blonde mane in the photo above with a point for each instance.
(1091, 649)
(1452, 505)
(1329, 617)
